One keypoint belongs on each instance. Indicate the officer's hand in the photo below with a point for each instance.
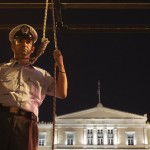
(58, 58)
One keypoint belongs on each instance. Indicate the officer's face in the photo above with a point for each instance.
(22, 48)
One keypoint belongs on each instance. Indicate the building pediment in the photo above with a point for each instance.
(100, 112)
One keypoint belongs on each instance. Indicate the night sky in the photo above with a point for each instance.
(120, 60)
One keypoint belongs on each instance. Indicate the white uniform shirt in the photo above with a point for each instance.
(24, 86)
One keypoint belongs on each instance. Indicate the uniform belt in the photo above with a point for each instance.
(18, 111)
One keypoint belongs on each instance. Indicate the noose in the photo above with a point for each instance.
(42, 47)
(55, 66)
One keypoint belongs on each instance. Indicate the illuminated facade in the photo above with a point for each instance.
(97, 128)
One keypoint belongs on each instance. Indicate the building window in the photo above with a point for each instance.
(90, 137)
(42, 139)
(110, 135)
(70, 138)
(100, 137)
(130, 138)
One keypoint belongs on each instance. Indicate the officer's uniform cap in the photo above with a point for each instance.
(23, 31)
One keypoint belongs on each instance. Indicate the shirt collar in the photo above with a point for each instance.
(14, 62)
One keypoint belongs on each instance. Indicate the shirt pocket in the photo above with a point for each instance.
(7, 84)
(34, 87)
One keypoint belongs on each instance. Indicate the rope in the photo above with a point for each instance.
(45, 20)
(54, 25)
(54, 107)
(41, 50)
(55, 66)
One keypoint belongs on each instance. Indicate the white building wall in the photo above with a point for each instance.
(121, 127)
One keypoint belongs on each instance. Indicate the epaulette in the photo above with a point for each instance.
(4, 64)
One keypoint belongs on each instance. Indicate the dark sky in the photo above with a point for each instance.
(119, 59)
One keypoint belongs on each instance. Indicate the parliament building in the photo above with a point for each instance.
(97, 128)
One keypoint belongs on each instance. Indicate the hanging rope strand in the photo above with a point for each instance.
(54, 107)
(54, 26)
(55, 67)
(45, 20)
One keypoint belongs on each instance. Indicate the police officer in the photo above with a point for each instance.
(23, 88)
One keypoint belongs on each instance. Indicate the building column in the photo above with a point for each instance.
(145, 138)
(105, 137)
(94, 136)
(115, 136)
(85, 137)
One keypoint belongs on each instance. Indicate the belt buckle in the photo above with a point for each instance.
(14, 110)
